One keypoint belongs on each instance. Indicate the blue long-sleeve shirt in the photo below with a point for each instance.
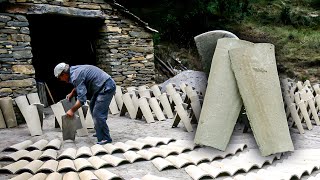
(88, 80)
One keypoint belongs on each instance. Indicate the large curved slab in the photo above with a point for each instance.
(220, 109)
(262, 99)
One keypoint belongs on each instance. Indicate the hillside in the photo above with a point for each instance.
(292, 26)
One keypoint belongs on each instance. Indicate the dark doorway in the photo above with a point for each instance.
(57, 38)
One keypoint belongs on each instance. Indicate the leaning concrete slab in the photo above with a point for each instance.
(154, 104)
(68, 105)
(257, 78)
(222, 102)
(8, 112)
(69, 127)
(118, 96)
(30, 114)
(2, 122)
(166, 105)
(113, 106)
(40, 108)
(33, 98)
(128, 106)
(145, 109)
(182, 115)
(83, 131)
(58, 112)
(206, 44)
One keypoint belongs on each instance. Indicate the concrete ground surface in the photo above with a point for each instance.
(123, 128)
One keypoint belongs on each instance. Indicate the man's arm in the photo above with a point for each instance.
(75, 107)
(71, 94)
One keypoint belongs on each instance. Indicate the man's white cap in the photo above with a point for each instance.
(59, 68)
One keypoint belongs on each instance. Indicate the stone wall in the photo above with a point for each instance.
(16, 71)
(124, 47)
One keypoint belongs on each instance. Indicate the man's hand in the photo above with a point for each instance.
(69, 96)
(70, 113)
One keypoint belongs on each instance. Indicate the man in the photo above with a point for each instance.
(89, 81)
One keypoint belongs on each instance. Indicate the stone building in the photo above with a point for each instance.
(35, 35)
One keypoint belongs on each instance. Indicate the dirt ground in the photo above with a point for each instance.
(123, 129)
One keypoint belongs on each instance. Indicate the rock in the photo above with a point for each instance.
(18, 83)
(206, 44)
(22, 54)
(140, 34)
(23, 69)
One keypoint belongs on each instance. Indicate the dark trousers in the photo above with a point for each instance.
(99, 107)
